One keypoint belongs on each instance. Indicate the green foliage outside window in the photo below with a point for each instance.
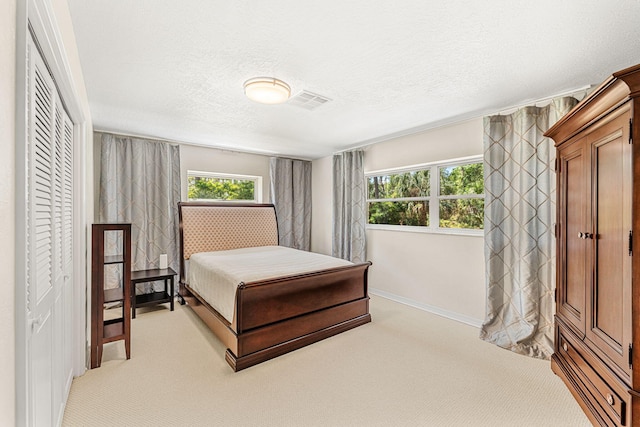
(465, 179)
(462, 213)
(398, 186)
(399, 213)
(408, 184)
(206, 188)
(461, 180)
(388, 196)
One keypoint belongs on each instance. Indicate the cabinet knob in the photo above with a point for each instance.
(565, 347)
(610, 400)
(581, 235)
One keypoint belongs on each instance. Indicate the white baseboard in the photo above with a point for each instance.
(477, 323)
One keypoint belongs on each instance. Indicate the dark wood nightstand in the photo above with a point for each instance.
(160, 297)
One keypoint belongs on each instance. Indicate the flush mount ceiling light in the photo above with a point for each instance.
(267, 90)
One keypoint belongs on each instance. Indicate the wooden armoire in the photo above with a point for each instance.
(597, 335)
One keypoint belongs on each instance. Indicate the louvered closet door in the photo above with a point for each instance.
(67, 250)
(49, 264)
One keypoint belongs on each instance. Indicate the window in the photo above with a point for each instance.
(438, 197)
(400, 199)
(211, 186)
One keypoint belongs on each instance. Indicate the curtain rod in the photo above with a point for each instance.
(133, 135)
(542, 100)
(458, 119)
(193, 144)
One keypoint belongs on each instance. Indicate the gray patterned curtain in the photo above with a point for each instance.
(349, 206)
(140, 184)
(291, 195)
(519, 219)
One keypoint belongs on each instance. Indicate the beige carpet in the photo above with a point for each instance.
(407, 368)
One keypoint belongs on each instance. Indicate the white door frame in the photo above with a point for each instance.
(40, 16)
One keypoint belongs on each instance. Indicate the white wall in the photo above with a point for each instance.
(321, 205)
(7, 213)
(436, 272)
(442, 273)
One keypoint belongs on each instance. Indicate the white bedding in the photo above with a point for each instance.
(216, 275)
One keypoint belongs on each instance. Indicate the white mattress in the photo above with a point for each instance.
(216, 275)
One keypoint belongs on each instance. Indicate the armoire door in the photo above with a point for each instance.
(573, 222)
(609, 324)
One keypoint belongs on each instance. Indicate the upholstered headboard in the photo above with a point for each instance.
(207, 227)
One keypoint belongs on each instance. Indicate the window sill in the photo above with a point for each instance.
(426, 230)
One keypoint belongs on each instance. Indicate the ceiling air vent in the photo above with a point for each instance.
(308, 100)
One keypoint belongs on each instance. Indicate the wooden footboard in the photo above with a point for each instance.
(268, 301)
(274, 317)
(329, 321)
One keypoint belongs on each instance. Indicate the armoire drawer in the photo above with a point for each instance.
(611, 404)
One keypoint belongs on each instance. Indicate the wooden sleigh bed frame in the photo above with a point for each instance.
(274, 316)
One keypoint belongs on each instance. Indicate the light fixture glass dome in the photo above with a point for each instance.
(267, 90)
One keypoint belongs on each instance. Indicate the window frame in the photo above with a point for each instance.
(257, 185)
(433, 199)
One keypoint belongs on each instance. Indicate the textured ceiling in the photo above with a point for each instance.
(174, 69)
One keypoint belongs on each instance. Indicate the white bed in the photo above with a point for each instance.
(269, 300)
(217, 275)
